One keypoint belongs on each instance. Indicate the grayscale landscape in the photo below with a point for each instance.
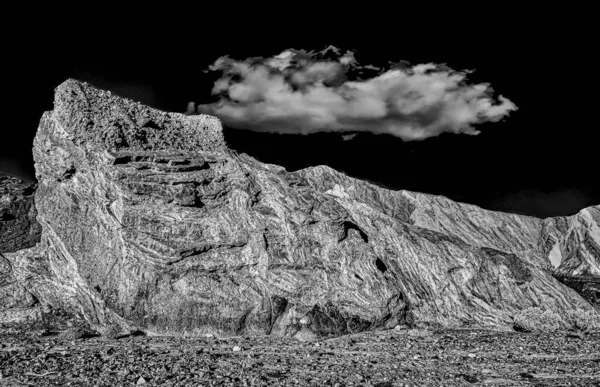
(151, 253)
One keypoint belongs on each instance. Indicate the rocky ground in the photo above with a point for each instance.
(398, 357)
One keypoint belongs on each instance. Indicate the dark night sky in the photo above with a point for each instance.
(542, 160)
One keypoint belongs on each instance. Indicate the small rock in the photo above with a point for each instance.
(305, 335)
(72, 333)
(472, 355)
(416, 357)
(141, 381)
(237, 348)
(110, 331)
(487, 371)
(305, 320)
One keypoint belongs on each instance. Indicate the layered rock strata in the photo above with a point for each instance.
(150, 221)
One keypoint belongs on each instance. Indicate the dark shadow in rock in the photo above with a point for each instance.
(381, 266)
(328, 321)
(90, 335)
(278, 304)
(518, 268)
(348, 225)
(518, 328)
(4, 217)
(67, 174)
(469, 378)
(151, 124)
(587, 286)
(135, 333)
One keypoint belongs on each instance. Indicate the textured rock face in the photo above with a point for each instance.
(18, 226)
(150, 221)
(578, 248)
(579, 243)
(18, 230)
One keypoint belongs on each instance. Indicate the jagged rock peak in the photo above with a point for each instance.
(101, 118)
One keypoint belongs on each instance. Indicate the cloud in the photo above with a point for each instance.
(306, 92)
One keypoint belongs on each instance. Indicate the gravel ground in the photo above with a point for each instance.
(399, 357)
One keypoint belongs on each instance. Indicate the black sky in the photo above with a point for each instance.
(541, 161)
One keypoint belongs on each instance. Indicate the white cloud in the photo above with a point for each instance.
(302, 92)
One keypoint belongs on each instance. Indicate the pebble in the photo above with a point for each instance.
(237, 348)
(305, 320)
(373, 354)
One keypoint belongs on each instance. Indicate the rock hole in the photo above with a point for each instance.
(150, 124)
(4, 217)
(351, 226)
(68, 173)
(122, 160)
(380, 265)
(28, 191)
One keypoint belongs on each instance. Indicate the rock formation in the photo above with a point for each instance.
(150, 221)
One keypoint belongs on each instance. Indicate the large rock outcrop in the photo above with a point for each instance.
(150, 221)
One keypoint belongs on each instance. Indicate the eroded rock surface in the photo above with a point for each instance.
(578, 248)
(150, 221)
(18, 226)
(579, 243)
(18, 230)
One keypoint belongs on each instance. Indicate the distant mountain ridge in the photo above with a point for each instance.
(151, 222)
